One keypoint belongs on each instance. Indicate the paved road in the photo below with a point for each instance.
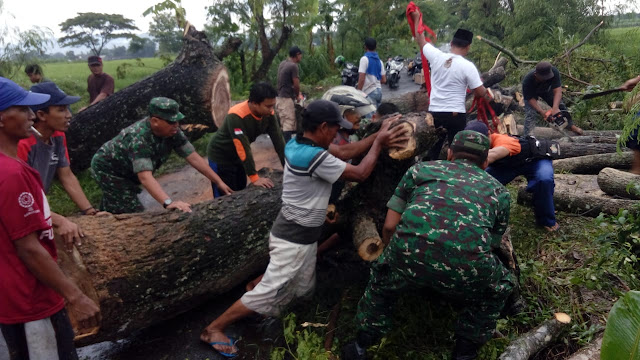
(405, 85)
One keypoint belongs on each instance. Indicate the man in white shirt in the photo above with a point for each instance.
(371, 72)
(451, 75)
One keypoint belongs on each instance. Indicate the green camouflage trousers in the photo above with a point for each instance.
(479, 302)
(119, 195)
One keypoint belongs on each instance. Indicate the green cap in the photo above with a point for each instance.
(165, 109)
(470, 141)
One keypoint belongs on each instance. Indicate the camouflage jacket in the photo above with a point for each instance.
(137, 149)
(453, 217)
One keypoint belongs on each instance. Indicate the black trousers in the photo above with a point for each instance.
(233, 175)
(452, 122)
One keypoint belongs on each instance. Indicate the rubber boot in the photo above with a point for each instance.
(465, 350)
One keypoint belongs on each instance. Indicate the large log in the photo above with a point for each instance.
(569, 150)
(580, 194)
(537, 339)
(592, 164)
(619, 183)
(589, 352)
(590, 139)
(415, 101)
(496, 74)
(549, 133)
(197, 80)
(145, 268)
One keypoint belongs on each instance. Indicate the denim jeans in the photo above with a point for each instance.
(531, 115)
(375, 97)
(539, 174)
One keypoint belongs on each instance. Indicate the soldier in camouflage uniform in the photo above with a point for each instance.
(447, 219)
(128, 160)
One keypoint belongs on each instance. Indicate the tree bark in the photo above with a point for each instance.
(590, 139)
(366, 238)
(537, 339)
(592, 164)
(589, 352)
(197, 80)
(549, 133)
(580, 194)
(496, 74)
(145, 268)
(416, 101)
(619, 183)
(569, 150)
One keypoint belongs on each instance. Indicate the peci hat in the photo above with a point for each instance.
(94, 60)
(165, 109)
(479, 126)
(462, 34)
(321, 111)
(11, 94)
(58, 97)
(294, 51)
(470, 141)
(544, 70)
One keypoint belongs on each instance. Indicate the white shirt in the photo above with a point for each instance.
(370, 81)
(450, 76)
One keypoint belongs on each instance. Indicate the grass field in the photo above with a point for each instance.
(624, 41)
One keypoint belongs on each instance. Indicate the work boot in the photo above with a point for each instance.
(465, 350)
(350, 352)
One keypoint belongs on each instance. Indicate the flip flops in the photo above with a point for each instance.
(231, 343)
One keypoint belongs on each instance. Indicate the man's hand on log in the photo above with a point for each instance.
(71, 234)
(264, 182)
(224, 188)
(85, 310)
(394, 137)
(181, 205)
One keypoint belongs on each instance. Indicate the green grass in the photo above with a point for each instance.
(624, 41)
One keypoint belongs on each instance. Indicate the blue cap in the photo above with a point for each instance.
(58, 97)
(478, 126)
(11, 94)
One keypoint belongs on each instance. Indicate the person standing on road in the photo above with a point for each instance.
(371, 73)
(451, 75)
(288, 90)
(34, 323)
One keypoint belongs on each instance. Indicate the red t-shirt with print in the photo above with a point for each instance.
(23, 210)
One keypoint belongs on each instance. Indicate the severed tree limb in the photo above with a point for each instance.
(230, 45)
(589, 352)
(516, 61)
(366, 238)
(581, 42)
(537, 339)
(574, 79)
(619, 183)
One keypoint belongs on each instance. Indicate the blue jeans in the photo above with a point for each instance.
(375, 97)
(539, 174)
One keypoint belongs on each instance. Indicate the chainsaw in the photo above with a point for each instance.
(559, 122)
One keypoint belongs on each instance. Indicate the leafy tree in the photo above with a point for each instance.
(95, 30)
(142, 47)
(165, 30)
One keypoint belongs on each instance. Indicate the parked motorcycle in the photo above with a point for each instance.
(415, 65)
(394, 67)
(349, 71)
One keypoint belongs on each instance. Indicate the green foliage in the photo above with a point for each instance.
(165, 30)
(303, 344)
(631, 120)
(95, 30)
(174, 6)
(621, 339)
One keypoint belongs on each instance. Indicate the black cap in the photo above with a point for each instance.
(544, 70)
(321, 111)
(58, 97)
(294, 51)
(463, 34)
(94, 60)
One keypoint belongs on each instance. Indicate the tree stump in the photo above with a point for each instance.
(197, 80)
(619, 183)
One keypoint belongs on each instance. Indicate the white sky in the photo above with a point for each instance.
(50, 13)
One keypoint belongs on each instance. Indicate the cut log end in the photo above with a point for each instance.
(562, 317)
(408, 149)
(366, 238)
(220, 96)
(370, 248)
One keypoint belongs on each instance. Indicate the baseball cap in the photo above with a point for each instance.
(470, 141)
(543, 70)
(479, 126)
(321, 111)
(294, 50)
(165, 109)
(94, 60)
(11, 94)
(463, 34)
(58, 97)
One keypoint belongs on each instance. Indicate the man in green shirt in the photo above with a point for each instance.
(229, 150)
(128, 160)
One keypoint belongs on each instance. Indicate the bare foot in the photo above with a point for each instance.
(553, 228)
(213, 335)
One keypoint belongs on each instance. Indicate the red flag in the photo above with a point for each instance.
(412, 7)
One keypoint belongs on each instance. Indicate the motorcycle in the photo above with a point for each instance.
(349, 72)
(415, 65)
(394, 67)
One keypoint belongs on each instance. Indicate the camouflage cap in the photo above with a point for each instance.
(470, 141)
(165, 109)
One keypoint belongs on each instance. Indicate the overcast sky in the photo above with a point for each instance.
(50, 13)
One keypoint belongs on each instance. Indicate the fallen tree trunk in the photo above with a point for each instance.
(549, 133)
(590, 139)
(496, 74)
(592, 164)
(366, 238)
(580, 194)
(145, 268)
(416, 101)
(197, 80)
(537, 339)
(619, 183)
(589, 352)
(569, 150)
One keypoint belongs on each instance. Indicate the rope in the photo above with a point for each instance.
(483, 106)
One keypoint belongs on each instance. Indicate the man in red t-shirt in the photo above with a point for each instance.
(99, 83)
(33, 321)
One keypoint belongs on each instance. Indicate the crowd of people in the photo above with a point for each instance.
(442, 231)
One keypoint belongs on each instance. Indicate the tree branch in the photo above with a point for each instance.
(576, 80)
(516, 61)
(230, 45)
(582, 42)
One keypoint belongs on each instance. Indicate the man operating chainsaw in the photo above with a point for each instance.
(544, 82)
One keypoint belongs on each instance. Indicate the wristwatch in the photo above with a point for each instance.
(167, 203)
